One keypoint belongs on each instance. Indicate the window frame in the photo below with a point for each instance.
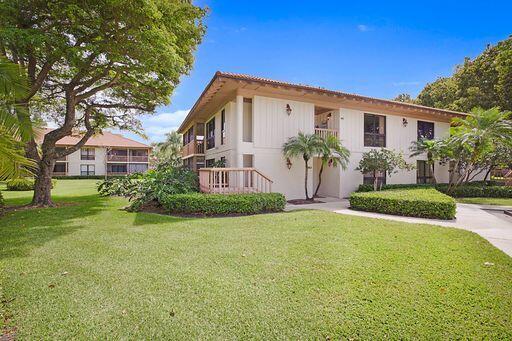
(210, 135)
(222, 126)
(375, 137)
(368, 178)
(86, 155)
(88, 171)
(428, 177)
(418, 130)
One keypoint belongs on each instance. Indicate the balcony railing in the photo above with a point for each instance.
(193, 147)
(120, 158)
(138, 158)
(323, 132)
(233, 180)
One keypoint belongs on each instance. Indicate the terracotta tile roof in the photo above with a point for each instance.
(206, 95)
(241, 76)
(107, 139)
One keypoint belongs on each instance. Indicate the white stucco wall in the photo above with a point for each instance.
(398, 138)
(74, 162)
(272, 126)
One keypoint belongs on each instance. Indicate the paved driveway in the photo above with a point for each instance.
(488, 221)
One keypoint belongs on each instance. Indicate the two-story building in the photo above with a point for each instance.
(245, 120)
(102, 154)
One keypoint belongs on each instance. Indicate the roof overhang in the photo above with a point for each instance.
(223, 87)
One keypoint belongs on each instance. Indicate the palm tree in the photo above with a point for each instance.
(333, 154)
(478, 134)
(169, 151)
(307, 146)
(434, 150)
(15, 124)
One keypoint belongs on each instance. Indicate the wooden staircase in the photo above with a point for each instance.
(233, 181)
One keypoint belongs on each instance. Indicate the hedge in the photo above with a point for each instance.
(473, 189)
(418, 202)
(23, 184)
(223, 204)
(80, 177)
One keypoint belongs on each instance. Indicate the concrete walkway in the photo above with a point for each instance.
(487, 221)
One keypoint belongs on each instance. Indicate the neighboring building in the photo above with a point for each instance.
(245, 120)
(107, 153)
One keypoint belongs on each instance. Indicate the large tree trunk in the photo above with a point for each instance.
(43, 185)
(319, 179)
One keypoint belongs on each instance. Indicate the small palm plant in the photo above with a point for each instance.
(15, 124)
(434, 150)
(306, 146)
(334, 155)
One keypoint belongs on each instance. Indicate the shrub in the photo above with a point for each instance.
(23, 184)
(150, 186)
(223, 204)
(419, 202)
(478, 191)
(80, 177)
(472, 189)
(124, 186)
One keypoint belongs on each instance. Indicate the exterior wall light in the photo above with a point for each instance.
(404, 122)
(288, 163)
(288, 109)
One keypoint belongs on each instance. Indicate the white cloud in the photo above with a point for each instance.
(156, 126)
(363, 28)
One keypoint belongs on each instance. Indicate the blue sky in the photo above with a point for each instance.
(377, 48)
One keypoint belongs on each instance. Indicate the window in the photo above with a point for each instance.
(425, 130)
(368, 178)
(87, 170)
(210, 163)
(87, 154)
(423, 173)
(137, 167)
(210, 134)
(60, 167)
(374, 130)
(247, 120)
(222, 126)
(117, 168)
(188, 136)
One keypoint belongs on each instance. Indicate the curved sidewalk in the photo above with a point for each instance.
(484, 220)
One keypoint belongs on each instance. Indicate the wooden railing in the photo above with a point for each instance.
(508, 179)
(233, 180)
(119, 158)
(193, 147)
(138, 158)
(323, 133)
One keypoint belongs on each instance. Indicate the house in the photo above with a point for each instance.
(106, 153)
(244, 120)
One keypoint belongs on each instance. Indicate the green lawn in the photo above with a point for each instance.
(88, 270)
(487, 201)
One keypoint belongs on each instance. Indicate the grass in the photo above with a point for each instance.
(89, 270)
(486, 201)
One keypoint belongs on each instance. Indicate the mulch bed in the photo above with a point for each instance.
(304, 201)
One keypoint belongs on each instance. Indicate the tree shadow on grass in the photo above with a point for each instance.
(146, 218)
(22, 231)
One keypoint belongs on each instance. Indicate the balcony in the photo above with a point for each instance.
(138, 158)
(193, 147)
(118, 158)
(324, 132)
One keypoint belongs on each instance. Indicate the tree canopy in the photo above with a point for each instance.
(96, 64)
(485, 81)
